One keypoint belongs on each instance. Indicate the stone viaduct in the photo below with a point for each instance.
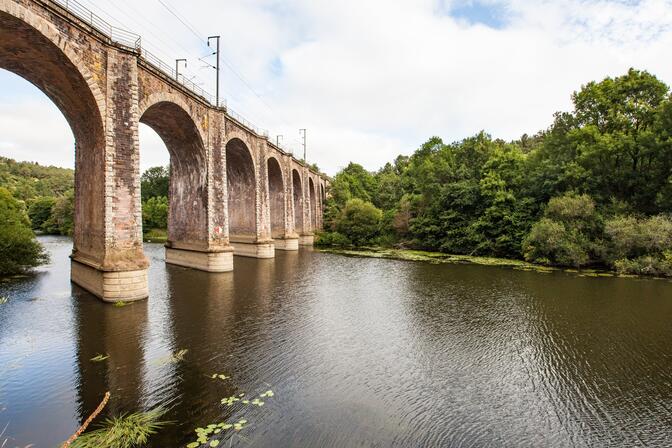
(231, 190)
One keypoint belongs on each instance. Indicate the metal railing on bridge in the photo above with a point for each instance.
(133, 41)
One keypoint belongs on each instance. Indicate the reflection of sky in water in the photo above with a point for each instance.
(38, 375)
(356, 351)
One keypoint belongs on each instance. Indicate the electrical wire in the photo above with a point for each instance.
(228, 64)
(167, 45)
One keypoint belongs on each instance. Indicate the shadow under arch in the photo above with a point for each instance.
(241, 187)
(188, 192)
(298, 201)
(36, 51)
(276, 192)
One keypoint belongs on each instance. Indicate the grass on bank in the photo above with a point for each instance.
(155, 236)
(441, 258)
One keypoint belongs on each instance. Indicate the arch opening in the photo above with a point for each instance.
(36, 56)
(313, 204)
(298, 201)
(187, 191)
(276, 193)
(323, 199)
(242, 198)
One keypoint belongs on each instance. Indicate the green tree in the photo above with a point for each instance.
(639, 245)
(29, 180)
(39, 211)
(615, 144)
(155, 182)
(155, 213)
(62, 219)
(359, 222)
(566, 234)
(19, 250)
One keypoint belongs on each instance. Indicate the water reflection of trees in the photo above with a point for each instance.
(600, 353)
(544, 359)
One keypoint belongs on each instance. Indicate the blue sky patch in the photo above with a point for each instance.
(491, 14)
(276, 67)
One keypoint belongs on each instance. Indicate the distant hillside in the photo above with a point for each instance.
(28, 180)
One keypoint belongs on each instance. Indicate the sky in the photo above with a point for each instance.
(370, 79)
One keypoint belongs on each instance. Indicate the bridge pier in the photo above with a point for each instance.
(288, 243)
(253, 248)
(208, 261)
(110, 286)
(307, 239)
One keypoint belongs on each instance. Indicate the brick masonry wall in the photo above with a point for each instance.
(104, 91)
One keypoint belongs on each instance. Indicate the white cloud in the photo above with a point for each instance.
(32, 128)
(373, 79)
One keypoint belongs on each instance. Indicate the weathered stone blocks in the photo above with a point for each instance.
(286, 243)
(114, 286)
(203, 261)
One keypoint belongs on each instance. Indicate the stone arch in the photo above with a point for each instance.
(188, 192)
(34, 49)
(323, 199)
(241, 186)
(171, 97)
(276, 197)
(298, 201)
(312, 199)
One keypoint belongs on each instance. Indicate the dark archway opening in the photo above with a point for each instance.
(313, 204)
(187, 193)
(298, 202)
(242, 198)
(276, 192)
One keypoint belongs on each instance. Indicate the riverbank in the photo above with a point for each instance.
(442, 258)
(155, 236)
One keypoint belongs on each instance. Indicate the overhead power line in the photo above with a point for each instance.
(227, 63)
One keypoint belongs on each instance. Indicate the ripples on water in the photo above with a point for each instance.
(359, 352)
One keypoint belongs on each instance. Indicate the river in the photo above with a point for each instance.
(358, 352)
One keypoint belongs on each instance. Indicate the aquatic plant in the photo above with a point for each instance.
(3, 300)
(220, 376)
(124, 431)
(100, 358)
(173, 358)
(232, 399)
(204, 435)
(212, 435)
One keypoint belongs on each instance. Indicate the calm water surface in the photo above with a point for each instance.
(359, 352)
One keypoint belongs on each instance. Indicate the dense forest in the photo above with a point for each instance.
(47, 193)
(595, 188)
(35, 198)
